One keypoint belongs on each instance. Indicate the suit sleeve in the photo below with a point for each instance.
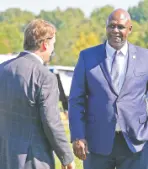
(77, 101)
(50, 116)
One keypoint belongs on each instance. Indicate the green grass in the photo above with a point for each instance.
(77, 161)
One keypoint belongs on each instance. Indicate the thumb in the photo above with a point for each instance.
(86, 148)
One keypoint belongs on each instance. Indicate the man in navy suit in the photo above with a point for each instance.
(30, 124)
(107, 102)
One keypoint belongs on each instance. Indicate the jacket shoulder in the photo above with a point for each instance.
(140, 49)
(143, 50)
(28, 67)
(91, 49)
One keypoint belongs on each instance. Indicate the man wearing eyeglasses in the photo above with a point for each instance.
(107, 102)
(30, 125)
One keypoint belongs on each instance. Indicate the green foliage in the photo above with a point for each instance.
(140, 13)
(62, 19)
(16, 16)
(85, 41)
(100, 15)
(53, 17)
(74, 31)
(10, 38)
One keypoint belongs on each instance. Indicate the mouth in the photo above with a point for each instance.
(116, 38)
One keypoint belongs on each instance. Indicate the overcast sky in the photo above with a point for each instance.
(86, 5)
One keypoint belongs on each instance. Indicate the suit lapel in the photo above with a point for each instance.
(104, 67)
(130, 64)
(131, 60)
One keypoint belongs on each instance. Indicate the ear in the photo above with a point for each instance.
(130, 29)
(44, 45)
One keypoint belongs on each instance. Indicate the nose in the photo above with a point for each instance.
(115, 29)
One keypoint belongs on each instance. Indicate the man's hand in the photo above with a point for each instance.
(69, 166)
(80, 149)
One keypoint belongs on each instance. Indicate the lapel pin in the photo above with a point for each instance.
(134, 57)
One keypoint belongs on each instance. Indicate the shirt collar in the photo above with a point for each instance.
(110, 50)
(35, 55)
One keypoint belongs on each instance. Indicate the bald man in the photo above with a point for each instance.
(107, 102)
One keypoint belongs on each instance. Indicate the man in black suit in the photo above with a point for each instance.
(30, 125)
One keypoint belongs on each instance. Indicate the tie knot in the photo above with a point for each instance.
(116, 52)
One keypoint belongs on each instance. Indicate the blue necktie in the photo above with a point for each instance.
(115, 74)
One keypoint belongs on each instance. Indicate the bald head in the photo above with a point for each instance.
(118, 28)
(119, 14)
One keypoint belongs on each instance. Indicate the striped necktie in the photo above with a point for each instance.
(115, 72)
(115, 75)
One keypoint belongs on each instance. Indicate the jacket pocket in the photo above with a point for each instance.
(142, 118)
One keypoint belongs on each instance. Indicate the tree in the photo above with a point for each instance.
(10, 38)
(85, 41)
(74, 31)
(54, 17)
(140, 13)
(16, 15)
(100, 15)
(139, 35)
(60, 18)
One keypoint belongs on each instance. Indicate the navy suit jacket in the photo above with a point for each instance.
(93, 100)
(30, 125)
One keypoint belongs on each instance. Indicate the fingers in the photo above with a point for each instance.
(79, 148)
(69, 166)
(80, 153)
(86, 149)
